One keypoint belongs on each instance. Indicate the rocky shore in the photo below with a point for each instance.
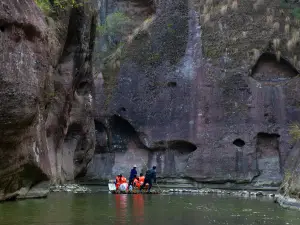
(287, 202)
(74, 188)
(243, 193)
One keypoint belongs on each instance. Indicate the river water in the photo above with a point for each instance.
(103, 208)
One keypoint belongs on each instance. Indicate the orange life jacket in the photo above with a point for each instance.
(118, 182)
(136, 183)
(141, 179)
(123, 180)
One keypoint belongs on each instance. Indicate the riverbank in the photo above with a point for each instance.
(287, 202)
(181, 183)
(44, 190)
(240, 193)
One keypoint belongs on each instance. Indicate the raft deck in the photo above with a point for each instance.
(135, 192)
(112, 189)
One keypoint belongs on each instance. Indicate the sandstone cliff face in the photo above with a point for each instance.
(206, 92)
(47, 131)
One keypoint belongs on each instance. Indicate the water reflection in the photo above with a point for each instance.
(101, 208)
(129, 208)
(138, 209)
(121, 209)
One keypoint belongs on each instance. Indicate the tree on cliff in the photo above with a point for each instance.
(47, 6)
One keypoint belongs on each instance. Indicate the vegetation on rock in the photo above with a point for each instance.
(48, 6)
(115, 24)
(277, 31)
(293, 6)
(295, 131)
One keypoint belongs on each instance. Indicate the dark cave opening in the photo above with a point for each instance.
(122, 109)
(267, 135)
(172, 84)
(99, 126)
(122, 133)
(182, 145)
(83, 88)
(74, 130)
(102, 145)
(121, 126)
(179, 145)
(239, 142)
(268, 68)
(149, 4)
(268, 156)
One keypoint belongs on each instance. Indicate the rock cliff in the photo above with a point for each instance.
(46, 123)
(206, 90)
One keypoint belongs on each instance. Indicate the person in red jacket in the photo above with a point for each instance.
(136, 183)
(118, 181)
(123, 180)
(141, 179)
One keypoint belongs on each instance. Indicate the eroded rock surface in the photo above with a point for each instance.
(208, 74)
(46, 123)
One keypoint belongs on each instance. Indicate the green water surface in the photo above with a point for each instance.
(104, 208)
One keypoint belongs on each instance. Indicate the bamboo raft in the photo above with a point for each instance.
(135, 192)
(112, 189)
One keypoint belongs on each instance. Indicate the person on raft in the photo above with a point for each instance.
(133, 174)
(120, 180)
(150, 175)
(141, 179)
(136, 183)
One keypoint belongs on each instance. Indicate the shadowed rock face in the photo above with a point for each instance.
(23, 64)
(119, 148)
(210, 82)
(47, 132)
(268, 68)
(268, 158)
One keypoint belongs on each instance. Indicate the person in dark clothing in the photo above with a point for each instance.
(150, 175)
(133, 173)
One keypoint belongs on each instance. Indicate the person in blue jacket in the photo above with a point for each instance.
(133, 173)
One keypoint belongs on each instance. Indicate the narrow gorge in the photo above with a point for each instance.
(205, 90)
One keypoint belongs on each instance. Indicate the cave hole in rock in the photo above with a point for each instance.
(172, 84)
(268, 157)
(31, 32)
(148, 6)
(179, 145)
(2, 28)
(122, 109)
(268, 68)
(122, 133)
(102, 145)
(239, 142)
(83, 88)
(74, 130)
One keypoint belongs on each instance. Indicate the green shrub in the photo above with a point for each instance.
(47, 7)
(284, 4)
(294, 9)
(295, 131)
(44, 5)
(115, 24)
(296, 12)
